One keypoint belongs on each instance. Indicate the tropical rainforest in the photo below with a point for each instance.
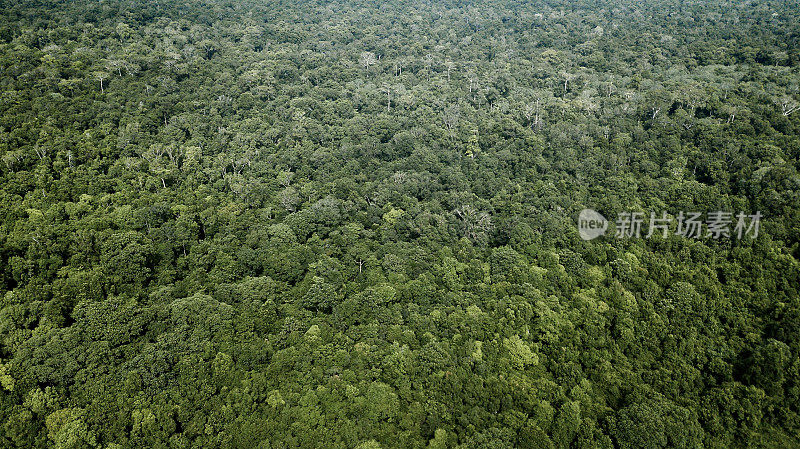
(353, 224)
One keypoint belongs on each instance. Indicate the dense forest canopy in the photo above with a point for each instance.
(345, 224)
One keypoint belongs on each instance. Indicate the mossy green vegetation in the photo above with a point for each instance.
(352, 224)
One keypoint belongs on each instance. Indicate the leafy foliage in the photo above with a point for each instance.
(352, 224)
